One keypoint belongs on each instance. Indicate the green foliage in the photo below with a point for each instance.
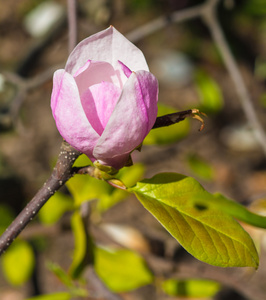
(208, 233)
(129, 176)
(256, 8)
(18, 262)
(230, 207)
(85, 188)
(211, 98)
(191, 288)
(83, 251)
(173, 133)
(200, 167)
(121, 270)
(53, 210)
(61, 274)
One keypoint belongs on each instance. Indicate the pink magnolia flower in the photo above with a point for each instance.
(105, 101)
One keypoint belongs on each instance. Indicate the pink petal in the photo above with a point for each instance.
(98, 103)
(125, 69)
(110, 46)
(131, 120)
(69, 116)
(97, 72)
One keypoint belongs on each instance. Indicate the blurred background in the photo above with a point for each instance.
(224, 157)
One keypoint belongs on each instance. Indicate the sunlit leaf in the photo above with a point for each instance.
(210, 94)
(18, 262)
(83, 251)
(54, 296)
(170, 134)
(82, 161)
(209, 234)
(85, 188)
(230, 207)
(60, 274)
(121, 270)
(53, 210)
(200, 167)
(191, 288)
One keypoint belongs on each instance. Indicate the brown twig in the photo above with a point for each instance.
(210, 18)
(72, 24)
(174, 118)
(61, 173)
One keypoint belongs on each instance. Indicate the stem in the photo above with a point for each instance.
(61, 173)
(72, 24)
(209, 16)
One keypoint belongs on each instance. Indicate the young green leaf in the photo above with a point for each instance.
(85, 188)
(191, 288)
(129, 176)
(230, 207)
(83, 252)
(18, 262)
(121, 270)
(60, 274)
(53, 210)
(209, 234)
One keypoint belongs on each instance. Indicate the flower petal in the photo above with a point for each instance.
(98, 103)
(131, 120)
(125, 69)
(97, 72)
(110, 46)
(69, 115)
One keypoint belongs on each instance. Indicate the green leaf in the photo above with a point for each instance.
(121, 270)
(209, 234)
(53, 210)
(129, 176)
(82, 161)
(85, 188)
(54, 296)
(83, 252)
(60, 274)
(209, 92)
(191, 288)
(200, 167)
(170, 134)
(230, 207)
(18, 263)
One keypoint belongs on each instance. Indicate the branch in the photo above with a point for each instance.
(209, 16)
(61, 173)
(72, 24)
(64, 170)
(174, 118)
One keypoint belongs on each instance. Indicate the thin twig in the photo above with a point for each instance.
(210, 18)
(159, 23)
(72, 24)
(207, 11)
(101, 291)
(61, 173)
(177, 117)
